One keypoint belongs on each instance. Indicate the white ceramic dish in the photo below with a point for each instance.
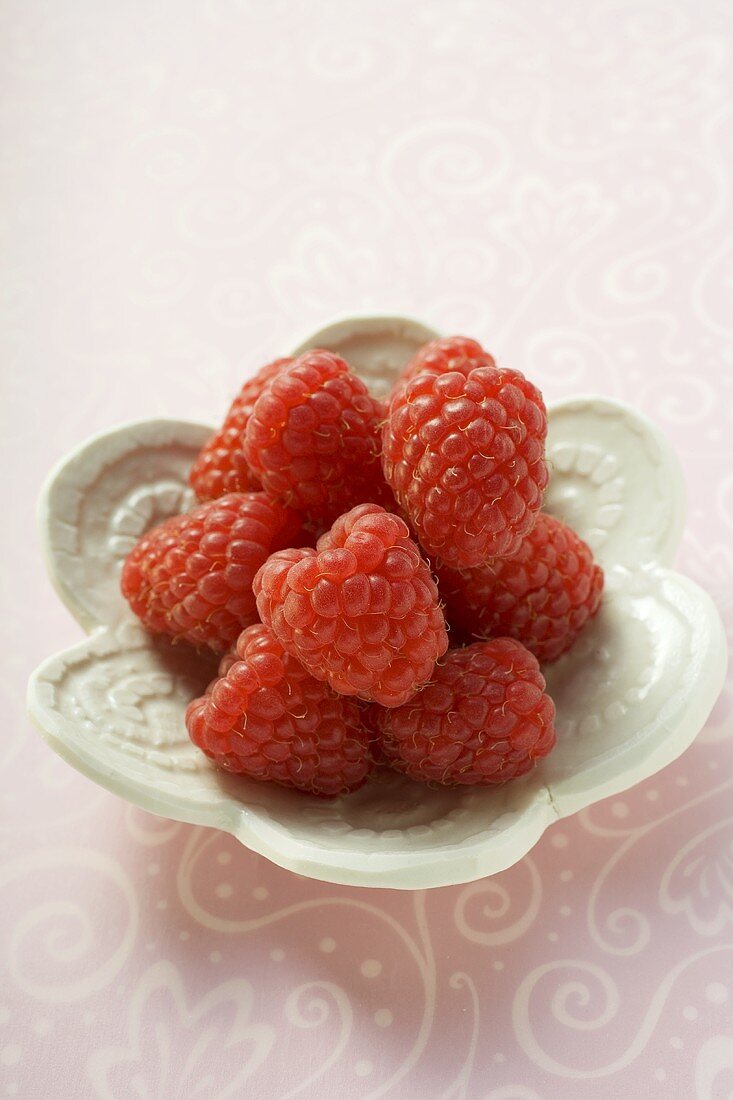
(630, 697)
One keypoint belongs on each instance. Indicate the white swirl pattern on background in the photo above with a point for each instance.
(698, 881)
(571, 995)
(304, 1009)
(170, 1044)
(497, 900)
(714, 1059)
(66, 964)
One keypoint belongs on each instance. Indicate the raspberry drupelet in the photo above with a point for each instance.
(191, 577)
(464, 456)
(483, 719)
(221, 467)
(265, 717)
(361, 611)
(543, 595)
(446, 354)
(313, 438)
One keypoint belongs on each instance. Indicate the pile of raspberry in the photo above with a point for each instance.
(378, 578)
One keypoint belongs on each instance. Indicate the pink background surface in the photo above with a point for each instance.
(183, 189)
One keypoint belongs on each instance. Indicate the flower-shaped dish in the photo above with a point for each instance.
(630, 696)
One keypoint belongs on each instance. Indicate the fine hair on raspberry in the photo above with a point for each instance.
(446, 354)
(313, 438)
(464, 456)
(191, 576)
(361, 611)
(266, 718)
(545, 594)
(483, 719)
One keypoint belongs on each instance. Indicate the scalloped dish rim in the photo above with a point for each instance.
(477, 855)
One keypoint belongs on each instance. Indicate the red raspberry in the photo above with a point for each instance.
(464, 455)
(191, 577)
(543, 595)
(450, 353)
(361, 611)
(221, 466)
(484, 718)
(313, 438)
(266, 718)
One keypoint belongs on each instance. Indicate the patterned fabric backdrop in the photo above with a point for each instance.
(185, 187)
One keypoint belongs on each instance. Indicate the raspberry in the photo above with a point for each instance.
(191, 577)
(543, 595)
(464, 455)
(484, 718)
(221, 466)
(313, 438)
(266, 718)
(361, 611)
(452, 353)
